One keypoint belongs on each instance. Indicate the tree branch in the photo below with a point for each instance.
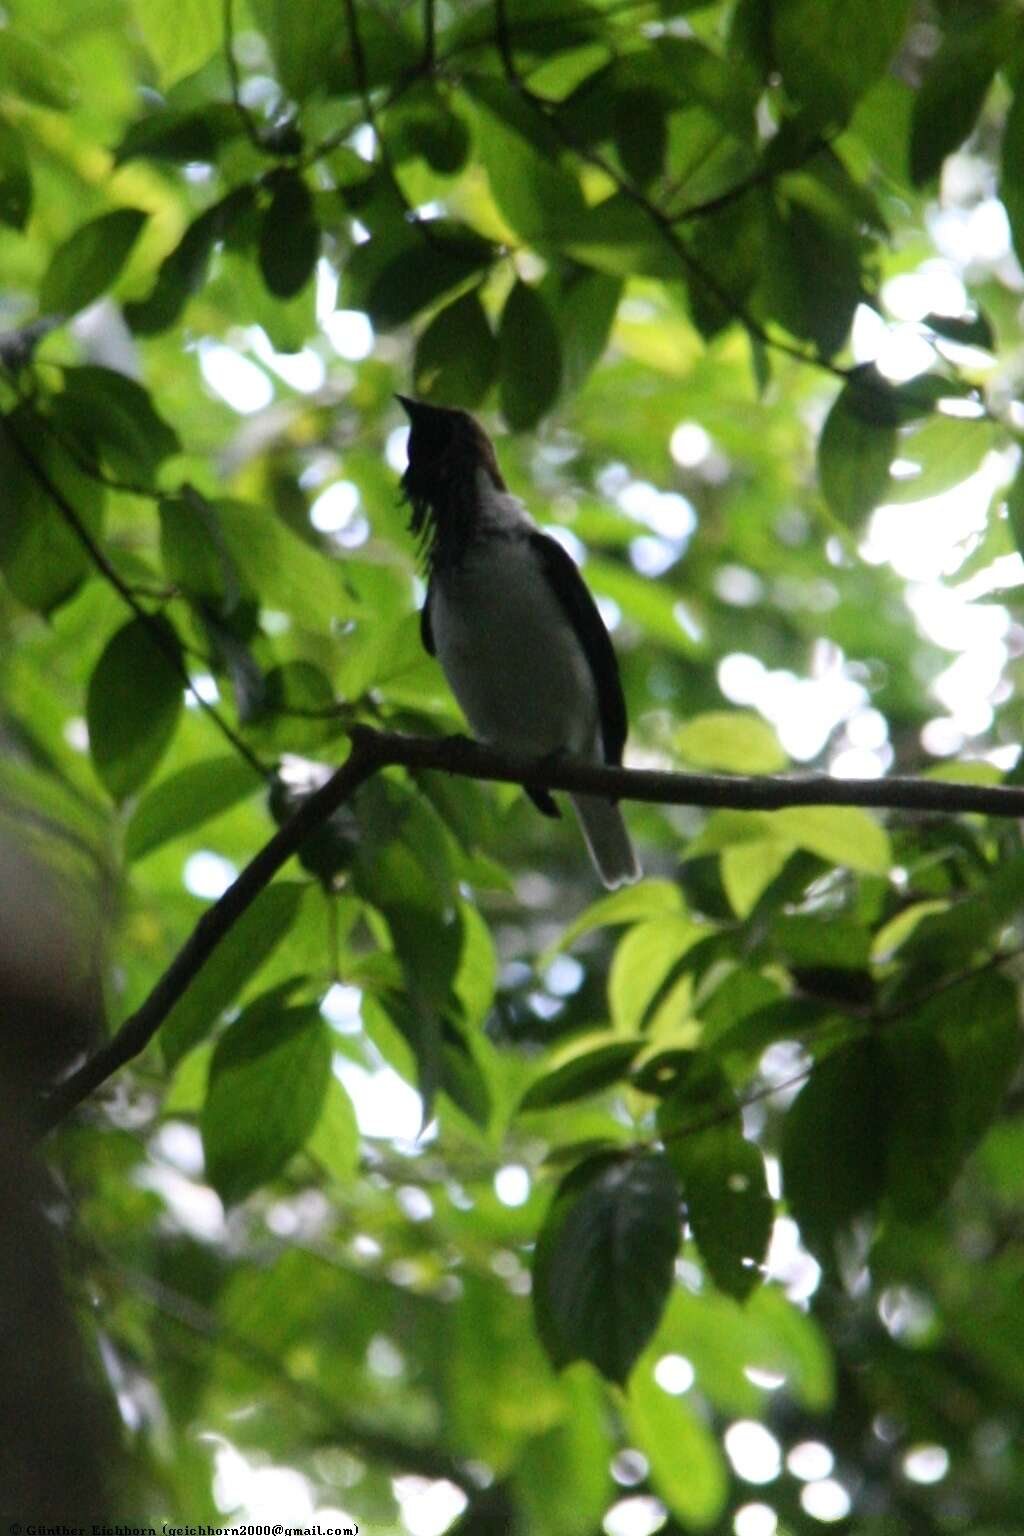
(373, 750)
(138, 1030)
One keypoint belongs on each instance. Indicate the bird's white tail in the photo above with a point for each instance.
(607, 838)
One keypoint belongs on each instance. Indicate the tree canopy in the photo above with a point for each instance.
(398, 1178)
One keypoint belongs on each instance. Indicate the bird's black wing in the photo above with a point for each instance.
(574, 596)
(426, 629)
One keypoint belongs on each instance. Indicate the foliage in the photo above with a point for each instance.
(749, 1131)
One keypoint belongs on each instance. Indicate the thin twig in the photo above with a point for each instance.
(373, 750)
(124, 591)
(248, 122)
(429, 37)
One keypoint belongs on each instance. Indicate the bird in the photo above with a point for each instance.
(512, 622)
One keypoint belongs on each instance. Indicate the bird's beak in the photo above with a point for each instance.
(412, 408)
(419, 410)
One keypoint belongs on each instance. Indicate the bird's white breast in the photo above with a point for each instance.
(508, 651)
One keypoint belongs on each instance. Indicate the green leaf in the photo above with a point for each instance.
(687, 1466)
(644, 959)
(648, 899)
(88, 263)
(268, 1080)
(854, 454)
(727, 1202)
(603, 1264)
(183, 271)
(1015, 509)
(618, 237)
(584, 1067)
(830, 51)
(530, 366)
(42, 557)
(394, 278)
(841, 834)
(835, 1143)
(134, 702)
(186, 800)
(966, 330)
(15, 178)
(722, 1175)
(812, 280)
(34, 71)
(334, 1141)
(231, 967)
(731, 740)
(946, 450)
(289, 236)
(180, 37)
(956, 84)
(584, 304)
(235, 550)
(111, 413)
(521, 153)
(456, 359)
(1011, 169)
(185, 137)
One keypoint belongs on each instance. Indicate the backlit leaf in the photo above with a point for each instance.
(135, 699)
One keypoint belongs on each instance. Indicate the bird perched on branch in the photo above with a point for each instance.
(511, 621)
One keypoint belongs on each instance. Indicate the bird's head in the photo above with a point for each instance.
(447, 451)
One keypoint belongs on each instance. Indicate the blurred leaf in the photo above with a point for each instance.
(584, 304)
(521, 155)
(231, 967)
(334, 1140)
(734, 742)
(186, 800)
(1011, 169)
(829, 52)
(41, 555)
(456, 358)
(34, 71)
(530, 364)
(854, 454)
(835, 1143)
(268, 1080)
(289, 236)
(688, 1469)
(649, 898)
(134, 702)
(110, 412)
(644, 958)
(583, 1068)
(15, 178)
(812, 280)
(181, 38)
(721, 1175)
(841, 834)
(88, 263)
(956, 84)
(183, 272)
(966, 330)
(393, 279)
(184, 137)
(946, 450)
(602, 1267)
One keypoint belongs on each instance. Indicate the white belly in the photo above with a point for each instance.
(510, 656)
